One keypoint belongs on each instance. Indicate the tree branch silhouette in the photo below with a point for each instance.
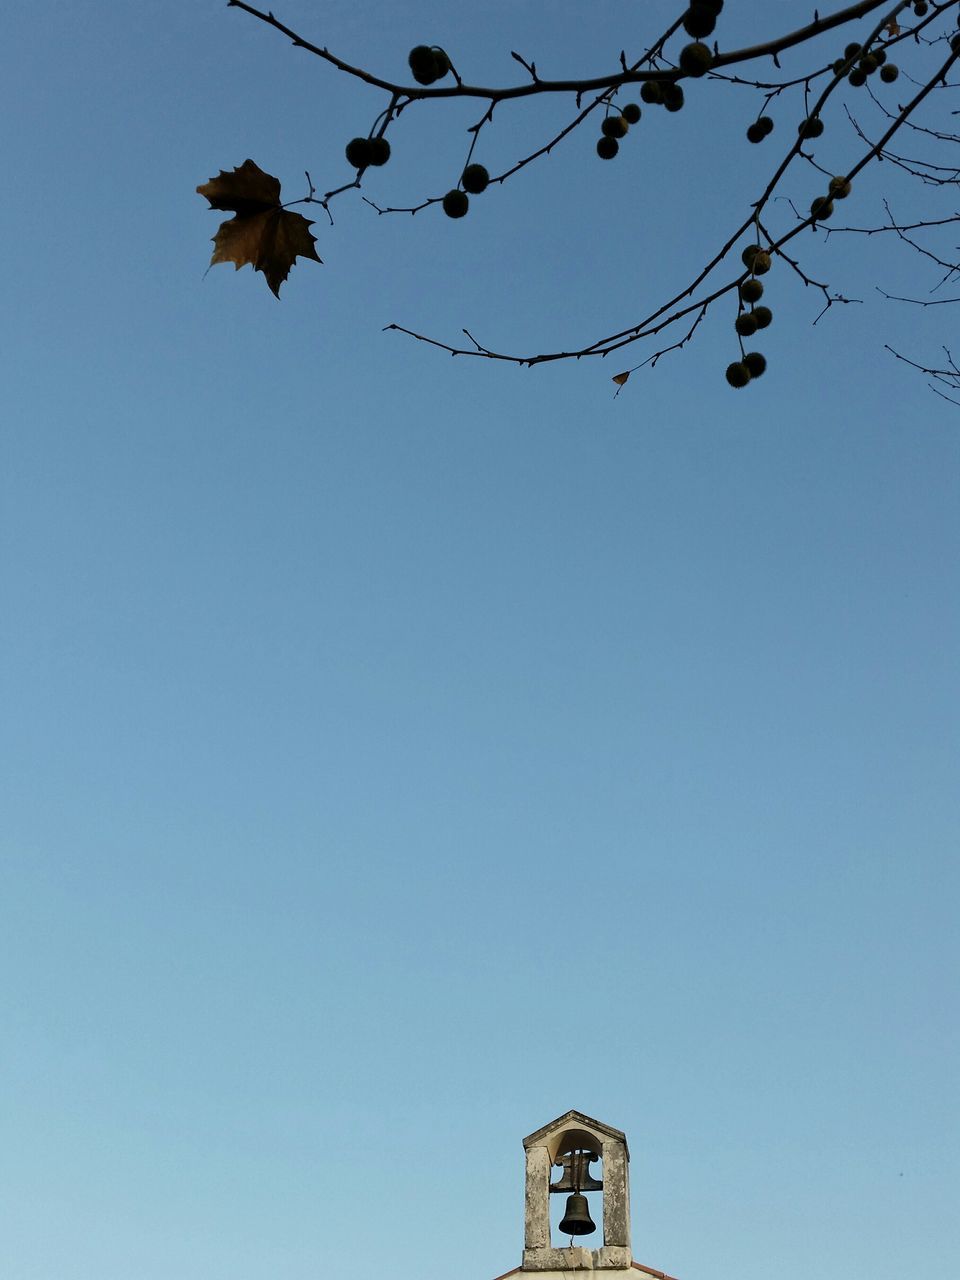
(918, 32)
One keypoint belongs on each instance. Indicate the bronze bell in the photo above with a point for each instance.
(576, 1218)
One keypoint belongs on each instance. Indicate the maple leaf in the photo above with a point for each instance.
(263, 233)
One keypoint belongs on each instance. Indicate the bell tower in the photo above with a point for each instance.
(574, 1143)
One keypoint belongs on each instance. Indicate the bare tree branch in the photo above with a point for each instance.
(913, 29)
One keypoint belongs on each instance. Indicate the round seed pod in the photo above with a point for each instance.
(839, 188)
(651, 91)
(455, 203)
(475, 179)
(378, 150)
(763, 316)
(423, 64)
(751, 290)
(761, 264)
(695, 59)
(745, 324)
(631, 113)
(821, 208)
(756, 363)
(738, 375)
(699, 22)
(748, 255)
(614, 127)
(357, 152)
(889, 72)
(607, 148)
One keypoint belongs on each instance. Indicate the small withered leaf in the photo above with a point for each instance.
(246, 190)
(263, 234)
(270, 242)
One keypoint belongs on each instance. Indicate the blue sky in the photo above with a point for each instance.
(399, 751)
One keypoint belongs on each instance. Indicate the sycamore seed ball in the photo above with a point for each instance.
(423, 64)
(378, 151)
(821, 208)
(672, 96)
(695, 59)
(749, 253)
(745, 324)
(751, 290)
(475, 179)
(651, 91)
(761, 264)
(857, 77)
(761, 128)
(428, 64)
(699, 21)
(839, 188)
(812, 127)
(631, 113)
(420, 58)
(738, 375)
(755, 362)
(763, 316)
(607, 148)
(357, 152)
(889, 72)
(614, 127)
(455, 204)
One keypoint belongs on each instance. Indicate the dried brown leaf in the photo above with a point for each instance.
(263, 233)
(620, 378)
(270, 241)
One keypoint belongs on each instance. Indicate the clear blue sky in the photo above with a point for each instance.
(398, 751)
